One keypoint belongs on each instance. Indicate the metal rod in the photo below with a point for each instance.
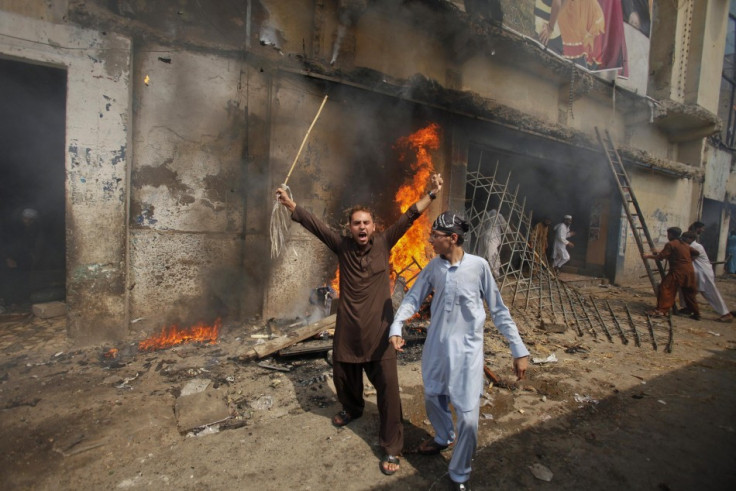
(562, 303)
(600, 318)
(587, 315)
(671, 339)
(551, 300)
(637, 339)
(651, 332)
(541, 291)
(529, 284)
(574, 314)
(512, 207)
(616, 323)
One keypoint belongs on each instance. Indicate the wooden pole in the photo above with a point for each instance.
(299, 152)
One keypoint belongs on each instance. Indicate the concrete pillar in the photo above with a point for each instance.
(97, 162)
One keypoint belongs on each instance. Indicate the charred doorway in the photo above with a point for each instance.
(713, 218)
(555, 180)
(32, 183)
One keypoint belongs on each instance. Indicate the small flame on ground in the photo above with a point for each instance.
(173, 335)
(112, 353)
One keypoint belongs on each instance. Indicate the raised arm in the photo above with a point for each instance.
(399, 228)
(435, 187)
(319, 229)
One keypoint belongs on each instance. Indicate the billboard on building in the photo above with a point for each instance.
(610, 37)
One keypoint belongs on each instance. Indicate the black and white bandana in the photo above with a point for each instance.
(451, 223)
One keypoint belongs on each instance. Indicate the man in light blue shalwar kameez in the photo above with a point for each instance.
(452, 359)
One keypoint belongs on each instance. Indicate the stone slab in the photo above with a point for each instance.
(200, 409)
(49, 309)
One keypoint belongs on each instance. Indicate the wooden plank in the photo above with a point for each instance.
(299, 334)
(307, 347)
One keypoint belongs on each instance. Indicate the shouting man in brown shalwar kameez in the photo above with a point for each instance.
(681, 275)
(364, 315)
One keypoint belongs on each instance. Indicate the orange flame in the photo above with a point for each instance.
(412, 252)
(173, 335)
(335, 283)
(111, 353)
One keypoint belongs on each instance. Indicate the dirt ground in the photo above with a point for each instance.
(605, 415)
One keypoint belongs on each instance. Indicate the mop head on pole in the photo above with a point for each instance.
(280, 218)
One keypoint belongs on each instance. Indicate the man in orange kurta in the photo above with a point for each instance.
(540, 239)
(681, 275)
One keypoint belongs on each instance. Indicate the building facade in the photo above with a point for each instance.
(180, 119)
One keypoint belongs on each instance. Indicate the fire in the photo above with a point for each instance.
(412, 252)
(173, 335)
(335, 283)
(111, 353)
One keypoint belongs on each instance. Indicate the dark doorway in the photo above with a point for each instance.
(712, 217)
(553, 181)
(32, 178)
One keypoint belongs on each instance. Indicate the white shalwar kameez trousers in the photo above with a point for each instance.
(452, 359)
(707, 280)
(559, 254)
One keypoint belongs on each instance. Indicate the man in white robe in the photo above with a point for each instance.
(559, 252)
(706, 279)
(495, 226)
(452, 359)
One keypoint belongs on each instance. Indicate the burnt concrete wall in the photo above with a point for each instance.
(45, 10)
(186, 186)
(173, 157)
(97, 162)
(667, 202)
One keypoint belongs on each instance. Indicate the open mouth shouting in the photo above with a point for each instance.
(361, 227)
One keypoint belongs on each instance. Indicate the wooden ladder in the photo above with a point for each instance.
(631, 207)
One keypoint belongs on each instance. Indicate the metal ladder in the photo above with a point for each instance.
(631, 206)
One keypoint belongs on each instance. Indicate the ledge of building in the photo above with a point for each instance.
(421, 90)
(640, 158)
(685, 122)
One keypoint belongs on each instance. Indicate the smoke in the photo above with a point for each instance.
(270, 36)
(348, 14)
(32, 174)
(568, 181)
(369, 171)
(32, 129)
(341, 30)
(269, 32)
